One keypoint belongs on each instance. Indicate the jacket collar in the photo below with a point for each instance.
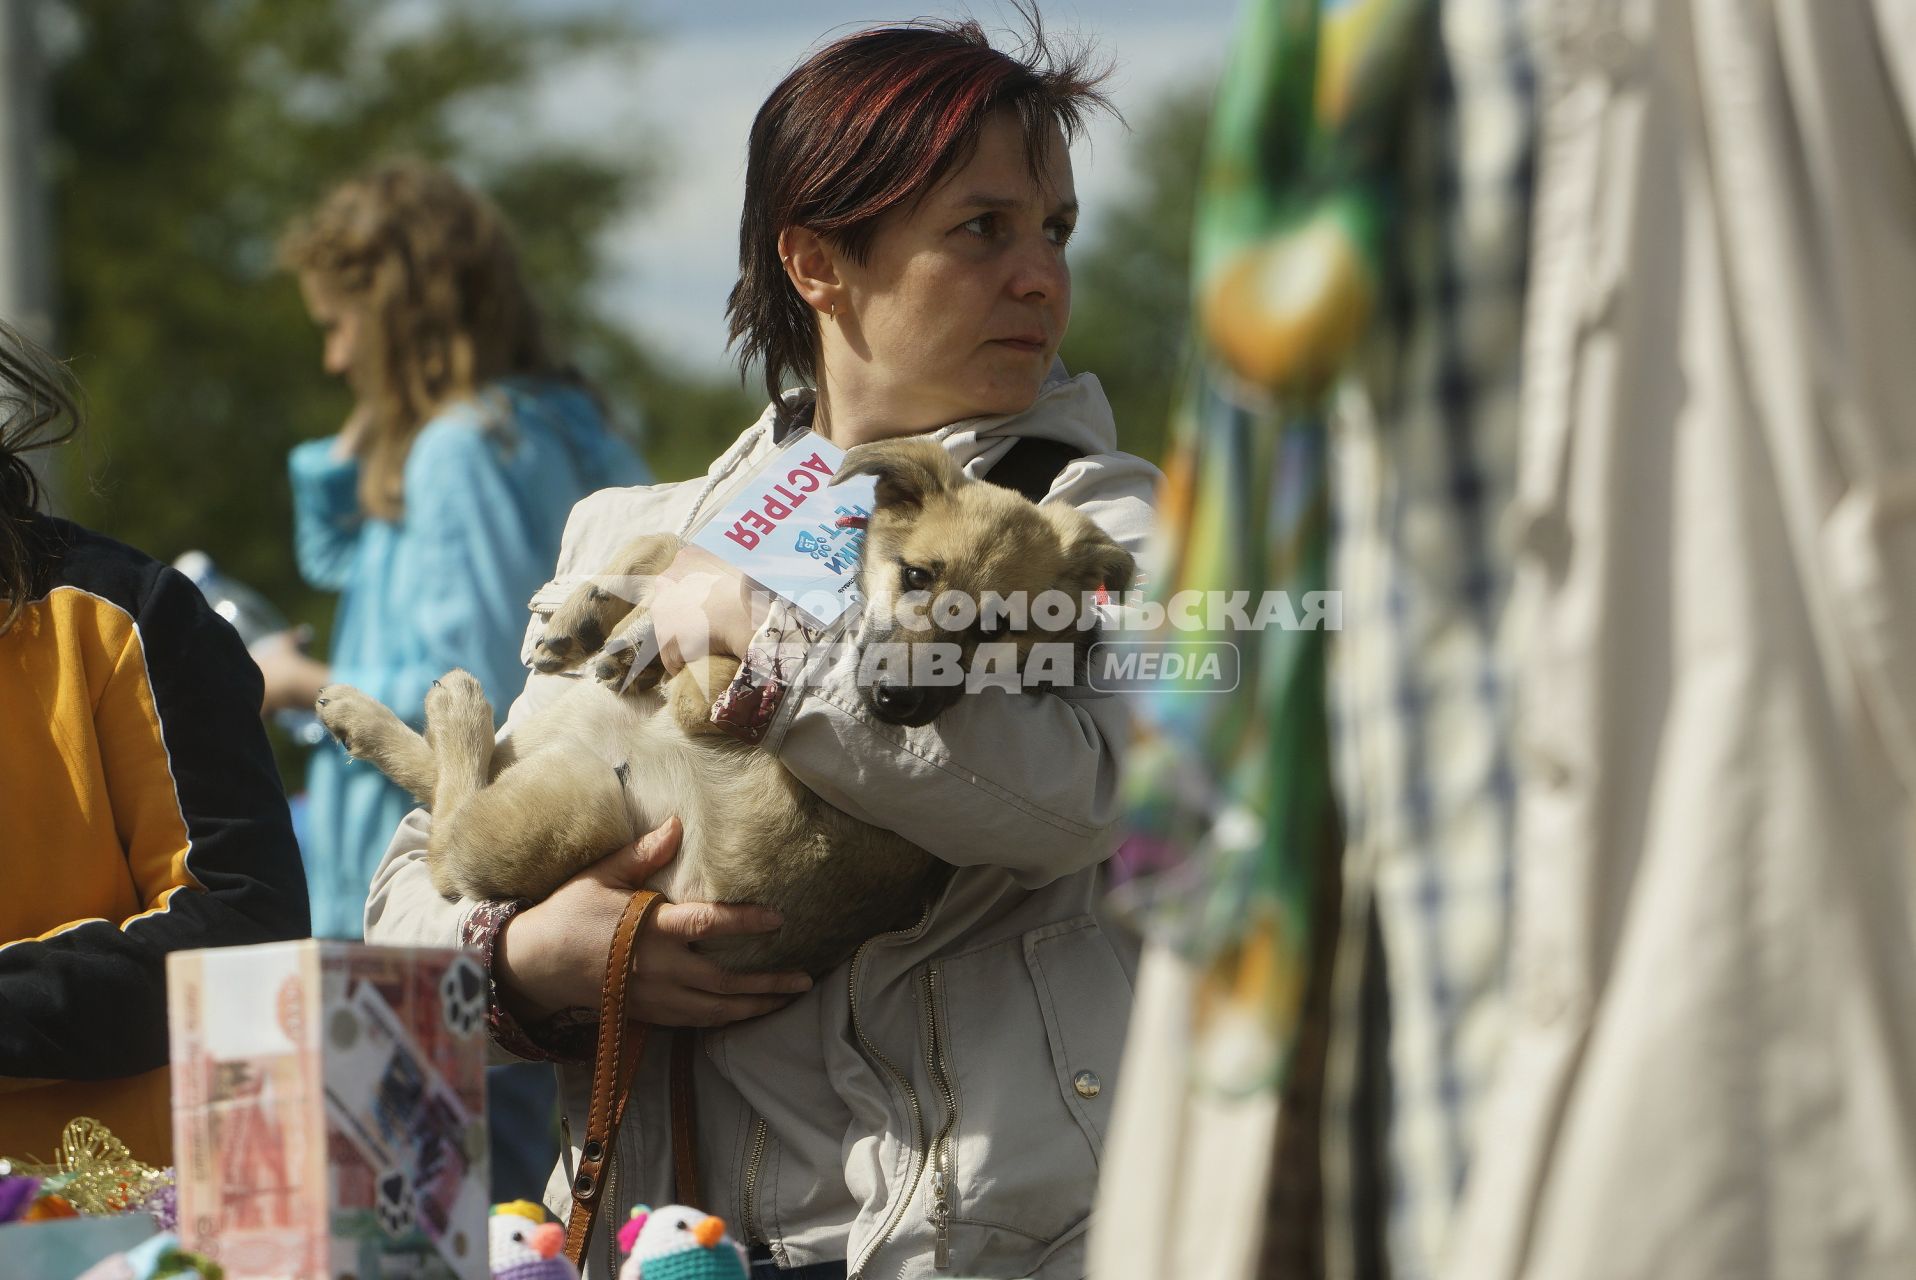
(1069, 409)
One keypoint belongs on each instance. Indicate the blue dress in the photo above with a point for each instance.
(487, 489)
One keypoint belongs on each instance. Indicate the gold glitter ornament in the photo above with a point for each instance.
(94, 1171)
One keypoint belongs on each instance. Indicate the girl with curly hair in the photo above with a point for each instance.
(436, 509)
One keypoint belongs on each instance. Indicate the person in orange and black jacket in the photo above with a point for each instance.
(140, 810)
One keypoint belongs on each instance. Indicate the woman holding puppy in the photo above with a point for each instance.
(937, 1105)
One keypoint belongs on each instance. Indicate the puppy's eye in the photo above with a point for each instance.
(916, 578)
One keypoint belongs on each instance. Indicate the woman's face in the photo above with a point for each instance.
(962, 301)
(338, 324)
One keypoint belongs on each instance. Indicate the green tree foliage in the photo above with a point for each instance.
(1131, 311)
(186, 134)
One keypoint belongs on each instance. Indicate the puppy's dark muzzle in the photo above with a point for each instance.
(903, 704)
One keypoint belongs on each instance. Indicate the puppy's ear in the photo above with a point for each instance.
(1093, 559)
(908, 471)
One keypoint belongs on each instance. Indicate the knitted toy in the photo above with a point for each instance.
(522, 1245)
(677, 1243)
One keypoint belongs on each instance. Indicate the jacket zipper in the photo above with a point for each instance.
(609, 1205)
(911, 1100)
(943, 1191)
(748, 1212)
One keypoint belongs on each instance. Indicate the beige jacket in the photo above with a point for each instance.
(1711, 1069)
(816, 1122)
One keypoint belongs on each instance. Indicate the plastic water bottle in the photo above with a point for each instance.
(257, 621)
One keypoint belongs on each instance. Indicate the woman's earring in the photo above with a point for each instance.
(834, 313)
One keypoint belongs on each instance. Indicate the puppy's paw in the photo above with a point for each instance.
(692, 691)
(456, 699)
(614, 665)
(578, 628)
(356, 721)
(633, 645)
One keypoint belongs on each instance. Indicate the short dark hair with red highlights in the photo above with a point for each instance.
(868, 125)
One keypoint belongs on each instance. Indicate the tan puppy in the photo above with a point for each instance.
(596, 767)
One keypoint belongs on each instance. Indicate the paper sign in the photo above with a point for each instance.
(792, 532)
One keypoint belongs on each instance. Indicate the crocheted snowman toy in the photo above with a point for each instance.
(679, 1243)
(522, 1245)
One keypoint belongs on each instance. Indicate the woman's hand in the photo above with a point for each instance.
(292, 678)
(354, 430)
(551, 958)
(703, 606)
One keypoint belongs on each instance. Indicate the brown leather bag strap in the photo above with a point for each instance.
(621, 1042)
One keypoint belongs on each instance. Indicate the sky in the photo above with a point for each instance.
(709, 65)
